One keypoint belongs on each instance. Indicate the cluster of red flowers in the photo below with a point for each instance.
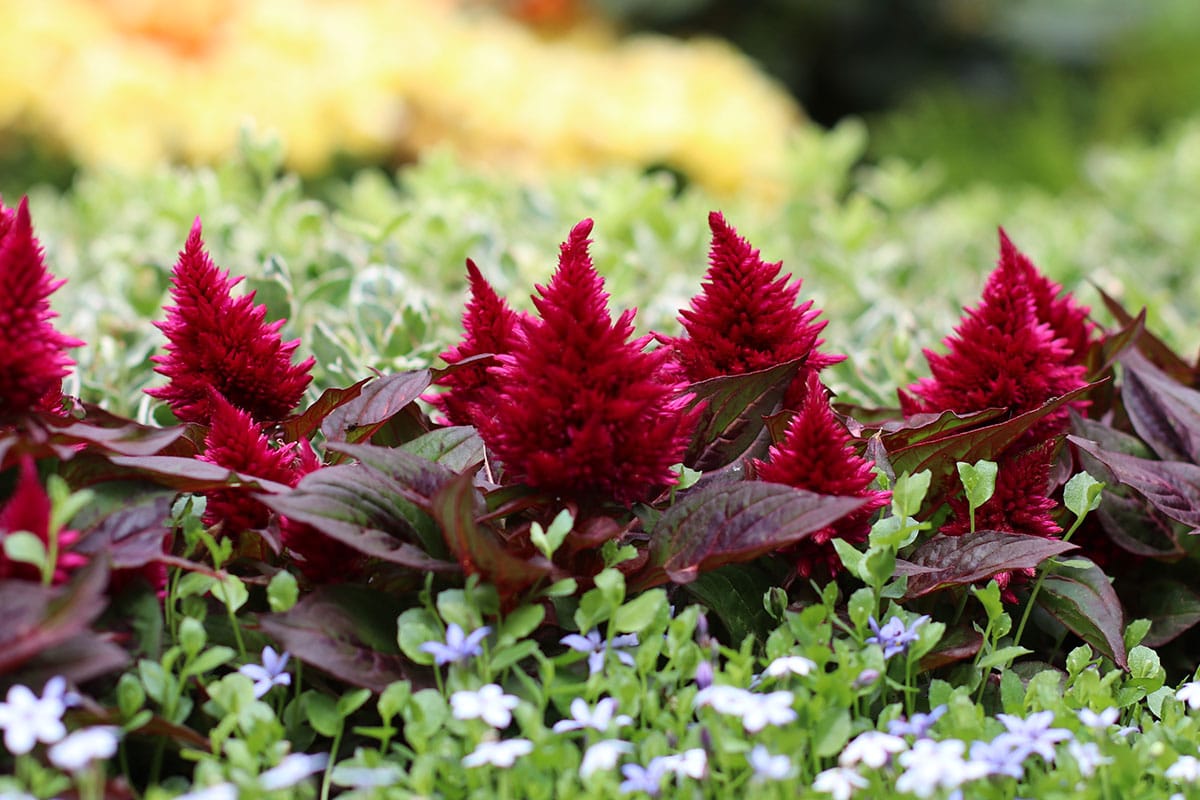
(570, 402)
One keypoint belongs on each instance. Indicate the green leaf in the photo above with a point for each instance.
(549, 540)
(415, 627)
(393, 699)
(209, 660)
(350, 702)
(505, 657)
(26, 548)
(519, 623)
(979, 481)
(641, 612)
(1082, 494)
(831, 733)
(322, 713)
(282, 591)
(1002, 656)
(231, 591)
(734, 595)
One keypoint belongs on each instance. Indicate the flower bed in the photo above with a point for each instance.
(543, 554)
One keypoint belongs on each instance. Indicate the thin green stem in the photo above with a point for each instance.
(1037, 587)
(327, 778)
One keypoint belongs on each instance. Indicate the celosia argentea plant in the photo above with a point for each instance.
(539, 500)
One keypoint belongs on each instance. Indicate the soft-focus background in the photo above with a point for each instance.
(348, 155)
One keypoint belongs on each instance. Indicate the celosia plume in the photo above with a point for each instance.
(216, 341)
(817, 454)
(746, 318)
(1058, 309)
(490, 326)
(235, 441)
(581, 409)
(1002, 355)
(1018, 505)
(33, 359)
(28, 509)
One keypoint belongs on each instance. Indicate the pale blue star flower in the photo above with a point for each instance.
(601, 718)
(458, 646)
(596, 647)
(268, 674)
(894, 637)
(501, 754)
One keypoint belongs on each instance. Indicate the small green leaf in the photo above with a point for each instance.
(909, 492)
(519, 624)
(130, 695)
(611, 584)
(503, 658)
(192, 636)
(979, 481)
(209, 660)
(831, 733)
(231, 591)
(1002, 656)
(563, 588)
(282, 591)
(350, 702)
(393, 699)
(549, 540)
(322, 713)
(640, 612)
(415, 627)
(852, 558)
(1082, 494)
(26, 548)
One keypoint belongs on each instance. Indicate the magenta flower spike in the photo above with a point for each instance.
(33, 358)
(1002, 354)
(491, 327)
(581, 409)
(216, 341)
(746, 317)
(816, 454)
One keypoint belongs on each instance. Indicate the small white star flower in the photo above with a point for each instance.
(489, 704)
(601, 718)
(1185, 770)
(1099, 721)
(458, 646)
(603, 755)
(498, 754)
(1189, 693)
(785, 665)
(291, 770)
(218, 791)
(27, 719)
(1087, 757)
(690, 763)
(270, 673)
(83, 747)
(873, 748)
(840, 782)
(769, 767)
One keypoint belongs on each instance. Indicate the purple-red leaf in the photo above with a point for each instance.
(1165, 413)
(132, 535)
(896, 434)
(185, 474)
(940, 454)
(734, 407)
(348, 632)
(727, 524)
(1173, 487)
(378, 402)
(1083, 600)
(1171, 606)
(364, 509)
(1155, 349)
(974, 557)
(302, 426)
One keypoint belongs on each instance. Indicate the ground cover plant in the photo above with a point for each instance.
(551, 555)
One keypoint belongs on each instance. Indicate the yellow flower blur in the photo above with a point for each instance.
(131, 83)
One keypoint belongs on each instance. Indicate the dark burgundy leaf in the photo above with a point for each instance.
(1103, 354)
(1164, 413)
(133, 535)
(38, 617)
(732, 417)
(1109, 438)
(731, 523)
(478, 549)
(1154, 348)
(735, 594)
(1173, 487)
(1171, 606)
(1083, 600)
(302, 426)
(378, 402)
(366, 510)
(186, 474)
(127, 439)
(939, 455)
(420, 477)
(84, 656)
(974, 557)
(897, 434)
(349, 632)
(1138, 528)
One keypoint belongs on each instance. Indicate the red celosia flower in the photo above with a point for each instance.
(33, 360)
(235, 441)
(746, 318)
(581, 409)
(1001, 355)
(491, 327)
(1018, 505)
(219, 342)
(28, 509)
(816, 454)
(1066, 318)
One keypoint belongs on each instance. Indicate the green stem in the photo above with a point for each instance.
(327, 778)
(1037, 586)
